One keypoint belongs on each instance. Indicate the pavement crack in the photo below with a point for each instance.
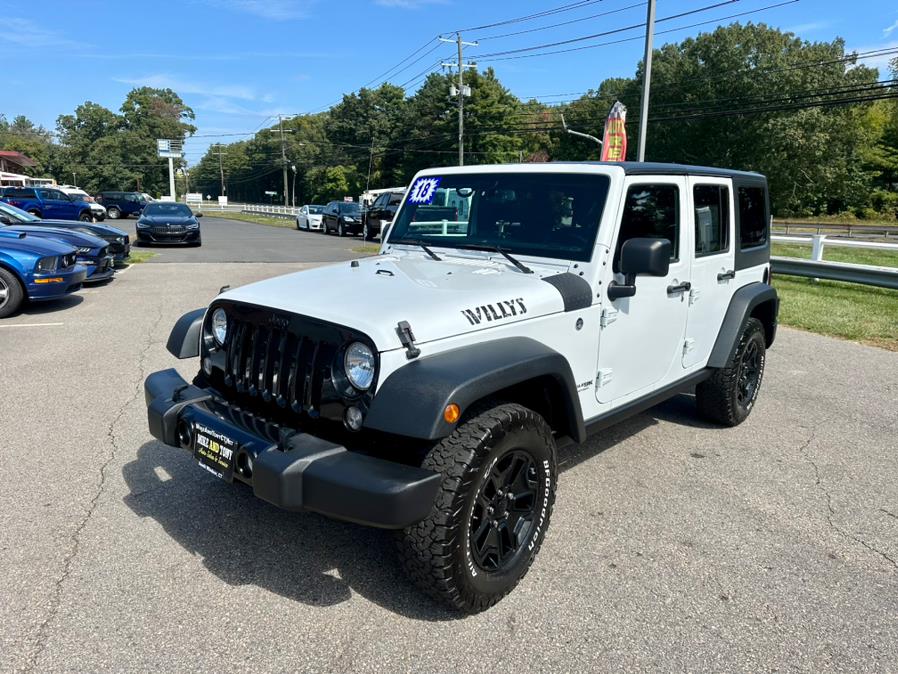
(890, 514)
(74, 547)
(831, 512)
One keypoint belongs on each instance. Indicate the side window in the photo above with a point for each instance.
(752, 217)
(380, 202)
(654, 211)
(712, 219)
(396, 199)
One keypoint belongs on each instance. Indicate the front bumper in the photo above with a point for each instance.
(301, 472)
(102, 269)
(56, 285)
(166, 236)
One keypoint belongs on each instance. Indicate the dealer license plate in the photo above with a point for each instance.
(214, 451)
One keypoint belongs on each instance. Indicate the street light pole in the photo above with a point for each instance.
(646, 79)
(284, 158)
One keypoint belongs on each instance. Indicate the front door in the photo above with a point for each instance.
(713, 270)
(642, 336)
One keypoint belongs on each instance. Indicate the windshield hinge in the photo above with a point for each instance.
(407, 338)
(608, 317)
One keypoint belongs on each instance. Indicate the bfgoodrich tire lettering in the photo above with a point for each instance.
(729, 395)
(444, 553)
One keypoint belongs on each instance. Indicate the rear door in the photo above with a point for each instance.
(642, 336)
(713, 273)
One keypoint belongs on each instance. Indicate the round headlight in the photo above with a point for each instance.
(359, 365)
(220, 326)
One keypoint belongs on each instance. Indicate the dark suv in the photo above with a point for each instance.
(343, 217)
(122, 204)
(380, 214)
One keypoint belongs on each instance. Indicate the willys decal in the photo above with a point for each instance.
(495, 311)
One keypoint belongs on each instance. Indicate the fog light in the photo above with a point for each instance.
(353, 418)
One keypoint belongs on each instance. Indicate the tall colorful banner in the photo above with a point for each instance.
(614, 143)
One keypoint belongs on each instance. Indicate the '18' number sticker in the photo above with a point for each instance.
(423, 191)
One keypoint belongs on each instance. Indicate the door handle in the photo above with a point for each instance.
(727, 275)
(682, 287)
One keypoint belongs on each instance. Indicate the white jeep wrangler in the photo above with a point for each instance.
(512, 309)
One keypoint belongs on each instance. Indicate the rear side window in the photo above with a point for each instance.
(752, 217)
(653, 211)
(396, 198)
(712, 219)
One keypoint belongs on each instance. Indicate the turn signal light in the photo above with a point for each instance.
(452, 413)
(49, 280)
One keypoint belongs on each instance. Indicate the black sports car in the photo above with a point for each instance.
(119, 242)
(169, 222)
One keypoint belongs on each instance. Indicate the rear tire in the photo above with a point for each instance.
(113, 213)
(36, 213)
(729, 395)
(490, 517)
(12, 294)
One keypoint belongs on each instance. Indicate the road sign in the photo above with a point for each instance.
(168, 149)
(270, 193)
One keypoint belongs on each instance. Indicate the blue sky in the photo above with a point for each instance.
(239, 62)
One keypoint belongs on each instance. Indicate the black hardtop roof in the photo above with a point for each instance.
(636, 168)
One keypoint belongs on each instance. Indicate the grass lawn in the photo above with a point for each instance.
(880, 258)
(847, 310)
(370, 248)
(138, 256)
(289, 223)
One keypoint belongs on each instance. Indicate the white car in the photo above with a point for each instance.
(97, 210)
(309, 217)
(512, 310)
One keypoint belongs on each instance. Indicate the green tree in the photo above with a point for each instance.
(34, 141)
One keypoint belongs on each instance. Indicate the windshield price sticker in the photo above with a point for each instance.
(423, 191)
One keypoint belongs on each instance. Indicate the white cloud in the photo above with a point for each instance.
(224, 106)
(891, 29)
(163, 81)
(276, 10)
(27, 33)
(809, 27)
(409, 4)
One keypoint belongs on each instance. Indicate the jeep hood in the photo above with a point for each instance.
(438, 299)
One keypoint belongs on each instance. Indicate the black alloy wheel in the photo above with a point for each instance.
(504, 511)
(749, 373)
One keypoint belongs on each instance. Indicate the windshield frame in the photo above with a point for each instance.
(573, 205)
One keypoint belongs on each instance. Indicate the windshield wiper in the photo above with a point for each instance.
(485, 246)
(422, 245)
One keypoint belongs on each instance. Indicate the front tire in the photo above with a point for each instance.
(12, 294)
(729, 395)
(86, 217)
(491, 514)
(36, 213)
(340, 230)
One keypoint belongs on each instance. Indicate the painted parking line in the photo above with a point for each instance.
(31, 325)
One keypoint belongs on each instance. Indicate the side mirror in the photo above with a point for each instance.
(642, 255)
(5, 220)
(197, 215)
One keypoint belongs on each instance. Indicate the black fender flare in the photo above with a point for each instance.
(743, 303)
(184, 339)
(412, 399)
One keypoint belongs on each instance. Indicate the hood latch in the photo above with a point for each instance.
(407, 338)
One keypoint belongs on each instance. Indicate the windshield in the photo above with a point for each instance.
(17, 213)
(316, 210)
(161, 208)
(349, 207)
(540, 214)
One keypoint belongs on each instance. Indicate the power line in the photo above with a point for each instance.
(529, 17)
(563, 23)
(630, 39)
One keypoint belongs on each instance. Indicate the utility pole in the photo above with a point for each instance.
(284, 162)
(284, 159)
(224, 188)
(646, 79)
(461, 90)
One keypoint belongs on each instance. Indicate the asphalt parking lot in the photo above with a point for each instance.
(674, 545)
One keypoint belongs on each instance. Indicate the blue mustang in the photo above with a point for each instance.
(92, 252)
(119, 241)
(36, 269)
